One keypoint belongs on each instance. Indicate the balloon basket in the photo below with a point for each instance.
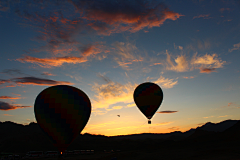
(149, 121)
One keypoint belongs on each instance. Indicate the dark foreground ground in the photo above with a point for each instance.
(197, 144)
(169, 151)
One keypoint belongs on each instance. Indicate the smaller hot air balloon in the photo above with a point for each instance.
(62, 112)
(148, 97)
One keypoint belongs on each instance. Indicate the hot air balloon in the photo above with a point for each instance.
(62, 112)
(148, 97)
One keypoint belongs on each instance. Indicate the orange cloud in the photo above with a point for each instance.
(230, 104)
(7, 115)
(47, 74)
(180, 65)
(154, 64)
(207, 63)
(8, 97)
(10, 86)
(126, 54)
(188, 77)
(89, 50)
(235, 47)
(165, 82)
(4, 81)
(52, 62)
(110, 94)
(6, 106)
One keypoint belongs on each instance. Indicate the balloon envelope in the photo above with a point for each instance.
(148, 97)
(62, 112)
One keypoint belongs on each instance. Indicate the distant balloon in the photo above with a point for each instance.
(62, 112)
(148, 97)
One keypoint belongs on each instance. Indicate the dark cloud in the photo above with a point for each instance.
(39, 81)
(167, 112)
(58, 22)
(106, 79)
(207, 70)
(12, 71)
(36, 81)
(107, 16)
(4, 81)
(6, 106)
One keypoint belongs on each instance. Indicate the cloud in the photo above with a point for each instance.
(47, 74)
(207, 70)
(180, 65)
(126, 54)
(208, 117)
(10, 86)
(205, 16)
(178, 47)
(107, 17)
(174, 128)
(207, 63)
(7, 115)
(131, 105)
(36, 81)
(115, 108)
(58, 22)
(8, 97)
(224, 9)
(110, 94)
(91, 49)
(39, 81)
(189, 77)
(223, 116)
(6, 106)
(165, 82)
(230, 104)
(235, 47)
(167, 111)
(12, 71)
(52, 62)
(16, 94)
(4, 81)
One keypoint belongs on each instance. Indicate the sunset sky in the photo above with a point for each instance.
(191, 49)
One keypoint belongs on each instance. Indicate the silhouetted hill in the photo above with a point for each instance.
(218, 127)
(22, 138)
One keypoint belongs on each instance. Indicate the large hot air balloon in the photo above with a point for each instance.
(62, 112)
(148, 97)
